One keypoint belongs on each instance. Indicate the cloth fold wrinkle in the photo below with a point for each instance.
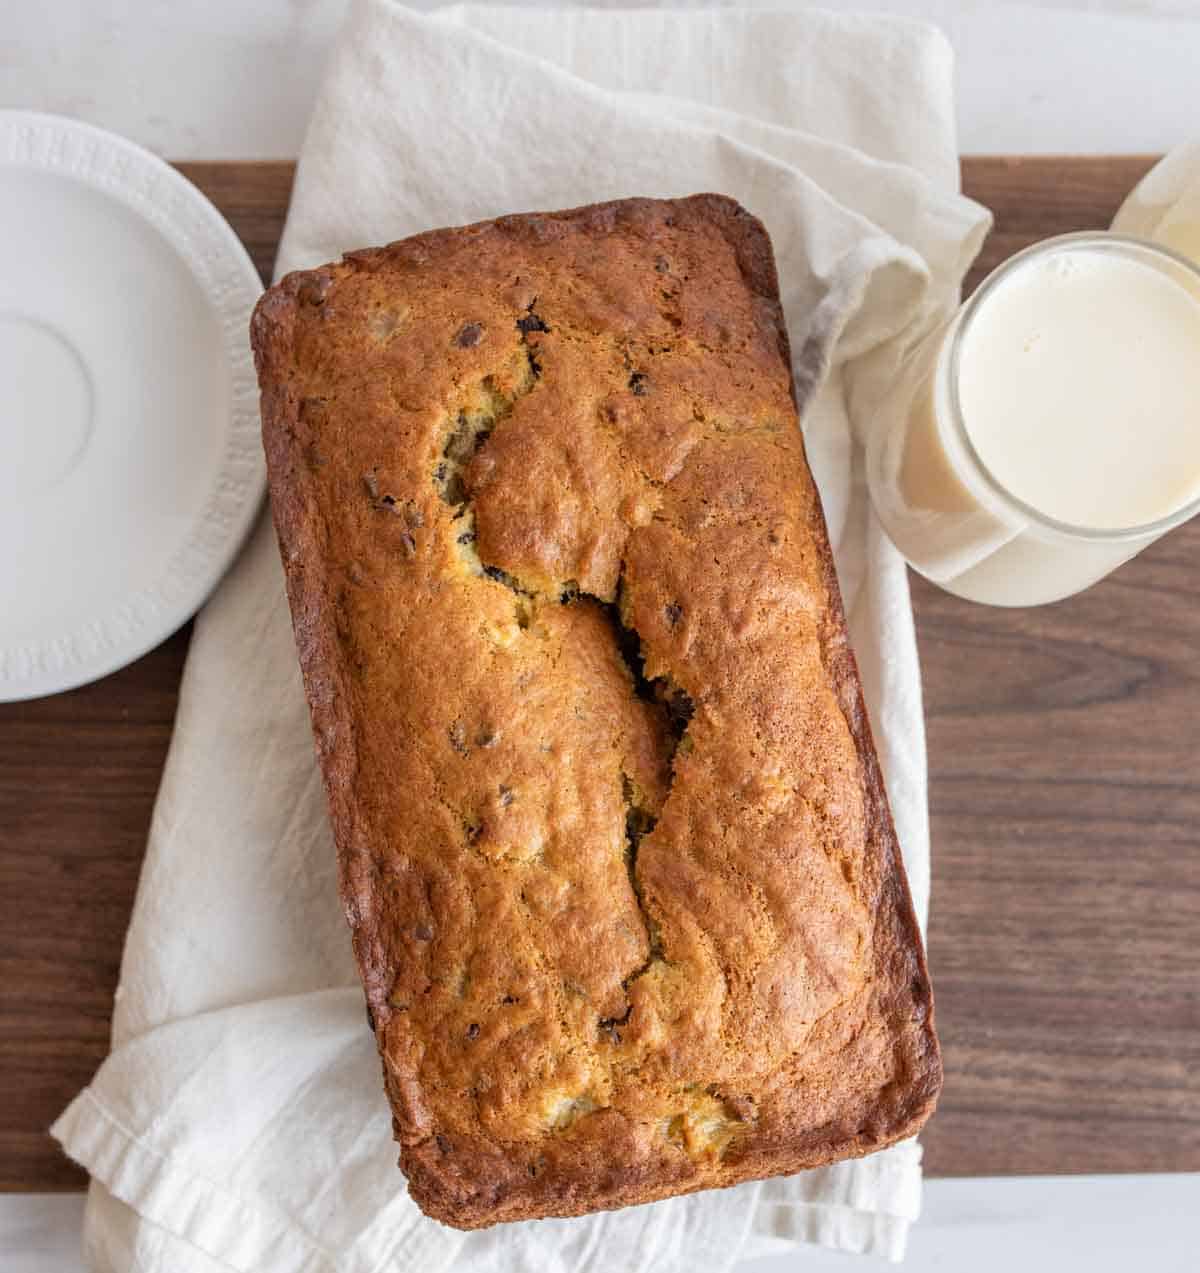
(240, 1120)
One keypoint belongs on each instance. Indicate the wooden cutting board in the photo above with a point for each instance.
(1064, 792)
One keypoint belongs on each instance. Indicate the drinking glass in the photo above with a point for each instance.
(949, 515)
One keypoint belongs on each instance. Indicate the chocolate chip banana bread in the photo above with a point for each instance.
(615, 850)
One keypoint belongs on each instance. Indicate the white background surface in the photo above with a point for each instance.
(234, 79)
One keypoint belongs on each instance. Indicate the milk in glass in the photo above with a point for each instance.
(1053, 430)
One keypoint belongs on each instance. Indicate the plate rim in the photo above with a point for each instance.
(211, 251)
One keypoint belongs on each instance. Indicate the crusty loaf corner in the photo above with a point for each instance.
(615, 849)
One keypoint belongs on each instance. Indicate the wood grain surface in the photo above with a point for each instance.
(1065, 805)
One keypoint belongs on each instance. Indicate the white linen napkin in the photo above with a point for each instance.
(1165, 204)
(240, 1121)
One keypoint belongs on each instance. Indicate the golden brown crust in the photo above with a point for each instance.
(615, 848)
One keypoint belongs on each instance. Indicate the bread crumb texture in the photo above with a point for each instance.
(623, 885)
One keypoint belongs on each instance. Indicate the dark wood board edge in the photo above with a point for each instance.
(1064, 824)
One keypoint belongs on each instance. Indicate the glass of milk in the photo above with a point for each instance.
(1052, 429)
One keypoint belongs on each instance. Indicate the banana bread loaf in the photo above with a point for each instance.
(615, 849)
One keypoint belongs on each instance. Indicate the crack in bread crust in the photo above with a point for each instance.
(614, 844)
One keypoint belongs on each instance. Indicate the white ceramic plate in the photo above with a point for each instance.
(130, 462)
